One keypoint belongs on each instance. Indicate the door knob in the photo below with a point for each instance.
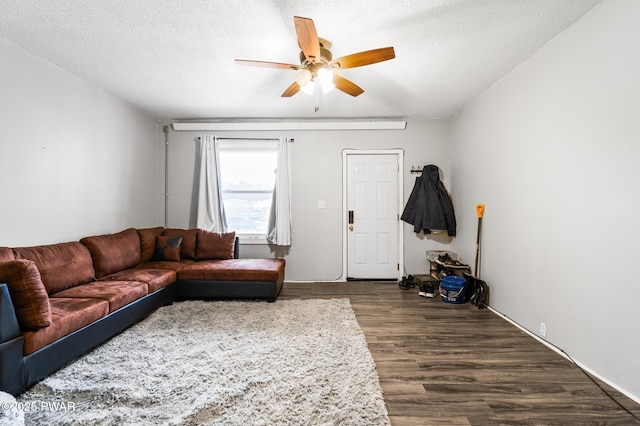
(350, 227)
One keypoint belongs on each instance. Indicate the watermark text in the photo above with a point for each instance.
(43, 405)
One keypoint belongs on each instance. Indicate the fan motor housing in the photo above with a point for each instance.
(325, 57)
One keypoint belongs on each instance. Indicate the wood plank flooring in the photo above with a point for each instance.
(445, 364)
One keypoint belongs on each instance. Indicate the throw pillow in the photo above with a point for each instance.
(28, 294)
(215, 245)
(188, 245)
(148, 242)
(168, 248)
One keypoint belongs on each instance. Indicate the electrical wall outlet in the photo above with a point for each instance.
(543, 329)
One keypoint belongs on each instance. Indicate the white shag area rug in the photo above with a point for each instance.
(293, 362)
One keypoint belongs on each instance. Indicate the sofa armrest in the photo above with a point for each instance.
(236, 248)
(11, 346)
(9, 327)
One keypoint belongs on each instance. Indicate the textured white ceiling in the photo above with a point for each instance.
(175, 58)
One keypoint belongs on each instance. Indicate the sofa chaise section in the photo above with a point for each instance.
(210, 267)
(233, 279)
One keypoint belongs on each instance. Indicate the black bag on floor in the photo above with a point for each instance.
(475, 289)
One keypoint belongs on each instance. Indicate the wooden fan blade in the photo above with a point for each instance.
(307, 38)
(291, 90)
(365, 58)
(347, 86)
(267, 64)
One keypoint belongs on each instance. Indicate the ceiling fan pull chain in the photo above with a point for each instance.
(317, 95)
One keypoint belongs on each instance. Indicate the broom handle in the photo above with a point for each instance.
(480, 212)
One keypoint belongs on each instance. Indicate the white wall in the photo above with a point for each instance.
(316, 156)
(74, 161)
(553, 151)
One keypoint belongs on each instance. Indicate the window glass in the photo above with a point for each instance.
(247, 179)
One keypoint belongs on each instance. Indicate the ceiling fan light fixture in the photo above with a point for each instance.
(325, 78)
(303, 77)
(326, 88)
(308, 88)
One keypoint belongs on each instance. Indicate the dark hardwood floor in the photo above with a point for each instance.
(445, 364)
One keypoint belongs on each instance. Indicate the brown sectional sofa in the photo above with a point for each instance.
(58, 301)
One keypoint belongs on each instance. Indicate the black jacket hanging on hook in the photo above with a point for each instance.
(429, 207)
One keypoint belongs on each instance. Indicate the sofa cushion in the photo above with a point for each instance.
(117, 293)
(154, 278)
(271, 270)
(114, 252)
(163, 264)
(29, 297)
(148, 242)
(188, 245)
(61, 265)
(168, 248)
(215, 245)
(6, 254)
(67, 316)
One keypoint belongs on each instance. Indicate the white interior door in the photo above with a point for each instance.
(372, 216)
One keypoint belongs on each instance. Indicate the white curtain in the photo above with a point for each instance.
(279, 232)
(210, 212)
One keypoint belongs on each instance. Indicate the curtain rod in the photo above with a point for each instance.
(250, 139)
(367, 124)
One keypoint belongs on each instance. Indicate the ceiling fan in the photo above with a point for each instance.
(317, 64)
